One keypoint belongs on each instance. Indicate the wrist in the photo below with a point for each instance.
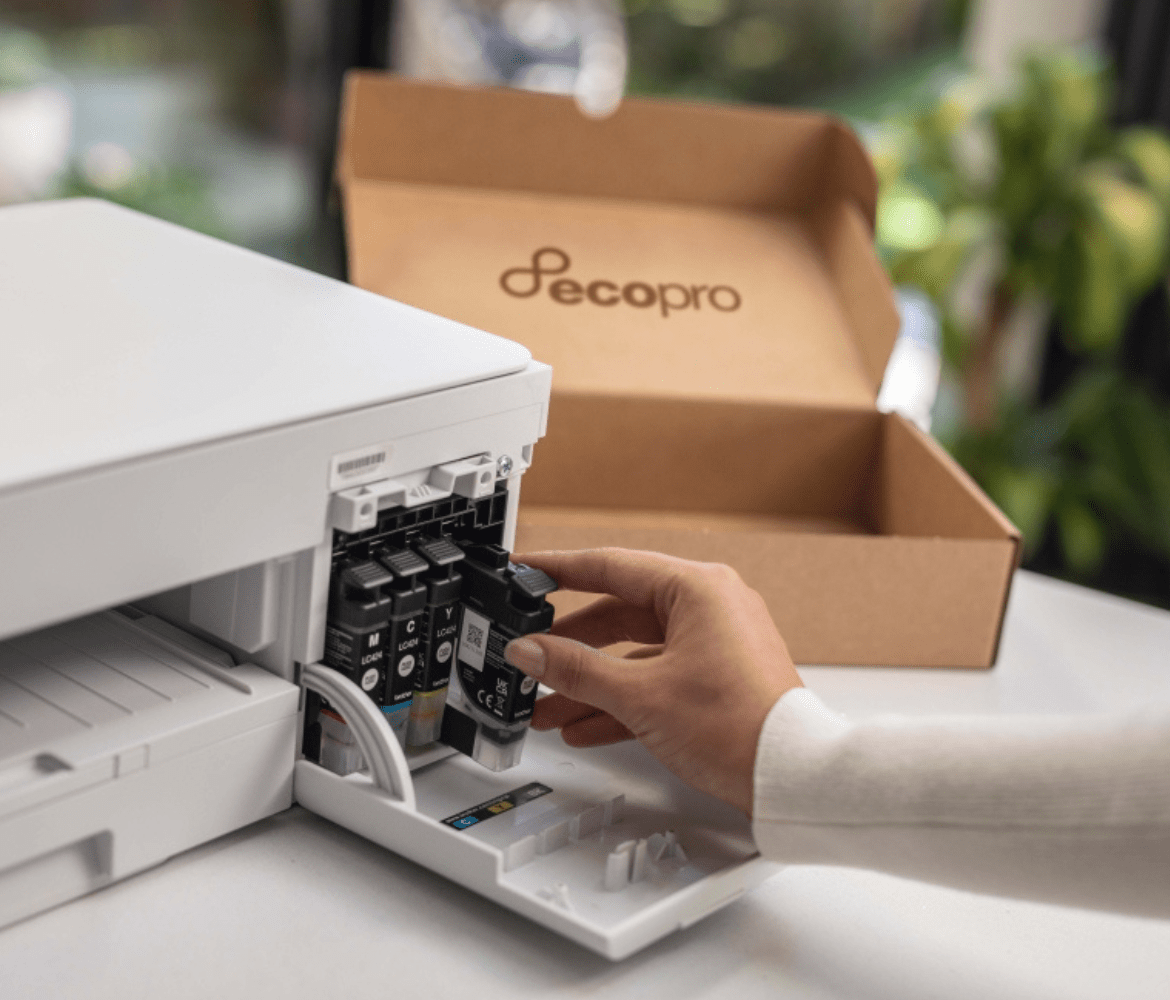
(797, 726)
(753, 734)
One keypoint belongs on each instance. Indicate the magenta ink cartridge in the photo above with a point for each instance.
(489, 704)
(444, 586)
(355, 635)
(404, 634)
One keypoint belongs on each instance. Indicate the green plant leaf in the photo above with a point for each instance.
(1082, 538)
(1147, 150)
(1085, 403)
(907, 219)
(1026, 497)
(1072, 84)
(1134, 221)
(1094, 303)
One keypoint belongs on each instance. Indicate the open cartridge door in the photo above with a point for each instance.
(604, 846)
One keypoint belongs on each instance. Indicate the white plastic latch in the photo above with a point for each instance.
(470, 477)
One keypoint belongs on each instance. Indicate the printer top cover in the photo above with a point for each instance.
(125, 336)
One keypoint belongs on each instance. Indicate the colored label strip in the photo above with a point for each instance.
(497, 806)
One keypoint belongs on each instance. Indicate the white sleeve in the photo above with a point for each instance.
(1072, 810)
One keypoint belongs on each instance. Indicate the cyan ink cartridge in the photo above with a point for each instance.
(489, 704)
(404, 634)
(444, 586)
(355, 634)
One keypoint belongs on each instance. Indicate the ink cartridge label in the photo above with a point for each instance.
(405, 644)
(488, 681)
(359, 654)
(442, 637)
(444, 585)
(473, 638)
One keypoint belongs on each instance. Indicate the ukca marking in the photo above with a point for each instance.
(549, 262)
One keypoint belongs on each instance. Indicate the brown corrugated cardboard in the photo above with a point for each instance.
(703, 282)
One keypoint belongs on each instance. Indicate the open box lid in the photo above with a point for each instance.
(670, 250)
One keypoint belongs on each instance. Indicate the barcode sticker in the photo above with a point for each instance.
(354, 468)
(473, 638)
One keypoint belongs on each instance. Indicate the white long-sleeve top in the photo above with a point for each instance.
(1072, 810)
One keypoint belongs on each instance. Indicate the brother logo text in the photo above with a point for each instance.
(548, 262)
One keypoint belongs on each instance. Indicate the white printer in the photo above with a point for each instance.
(186, 430)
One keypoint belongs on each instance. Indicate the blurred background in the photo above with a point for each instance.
(1020, 145)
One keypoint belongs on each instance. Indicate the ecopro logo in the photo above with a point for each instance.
(549, 262)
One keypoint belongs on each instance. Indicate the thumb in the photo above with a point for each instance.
(571, 668)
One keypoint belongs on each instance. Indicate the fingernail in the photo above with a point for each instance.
(526, 655)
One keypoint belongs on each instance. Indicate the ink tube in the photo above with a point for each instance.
(404, 633)
(441, 635)
(355, 631)
(489, 704)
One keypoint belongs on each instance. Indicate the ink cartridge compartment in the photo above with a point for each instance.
(604, 845)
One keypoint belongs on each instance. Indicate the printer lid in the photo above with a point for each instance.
(122, 336)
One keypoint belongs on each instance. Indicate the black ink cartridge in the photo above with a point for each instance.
(355, 635)
(404, 634)
(444, 587)
(489, 704)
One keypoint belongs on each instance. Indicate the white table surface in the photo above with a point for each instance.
(296, 907)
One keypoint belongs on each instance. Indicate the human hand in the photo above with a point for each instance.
(696, 693)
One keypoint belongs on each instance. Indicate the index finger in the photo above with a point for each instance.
(643, 579)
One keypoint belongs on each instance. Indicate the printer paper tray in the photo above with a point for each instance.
(540, 838)
(120, 747)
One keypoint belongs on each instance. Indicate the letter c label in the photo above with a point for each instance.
(612, 296)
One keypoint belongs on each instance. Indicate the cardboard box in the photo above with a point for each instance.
(702, 280)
